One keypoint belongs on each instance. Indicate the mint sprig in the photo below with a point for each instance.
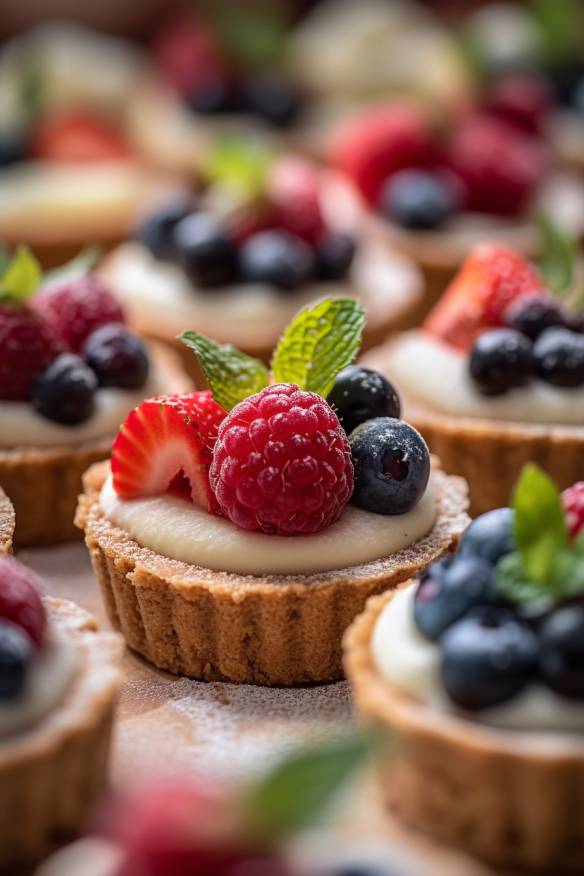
(239, 165)
(321, 340)
(231, 374)
(298, 789)
(546, 568)
(21, 277)
(557, 258)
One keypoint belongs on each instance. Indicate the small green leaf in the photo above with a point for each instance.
(515, 585)
(23, 275)
(558, 255)
(256, 37)
(31, 85)
(240, 165)
(297, 791)
(321, 340)
(78, 266)
(540, 522)
(4, 258)
(560, 23)
(231, 374)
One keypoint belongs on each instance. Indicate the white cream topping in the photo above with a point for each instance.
(435, 375)
(160, 298)
(177, 529)
(22, 426)
(49, 677)
(410, 662)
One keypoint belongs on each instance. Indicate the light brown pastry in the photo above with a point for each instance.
(7, 523)
(52, 774)
(263, 630)
(513, 799)
(43, 482)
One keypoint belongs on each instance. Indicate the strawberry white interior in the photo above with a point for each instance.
(175, 528)
(23, 426)
(160, 299)
(435, 375)
(410, 662)
(50, 674)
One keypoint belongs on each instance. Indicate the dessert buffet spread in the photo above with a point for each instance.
(292, 440)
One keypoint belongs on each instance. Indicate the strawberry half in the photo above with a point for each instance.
(490, 278)
(164, 440)
(77, 136)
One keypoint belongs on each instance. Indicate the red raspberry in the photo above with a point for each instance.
(521, 99)
(573, 499)
(77, 307)
(500, 166)
(282, 463)
(27, 345)
(20, 599)
(294, 189)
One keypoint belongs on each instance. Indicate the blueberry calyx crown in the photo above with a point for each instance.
(507, 609)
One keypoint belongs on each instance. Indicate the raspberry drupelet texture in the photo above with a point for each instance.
(282, 463)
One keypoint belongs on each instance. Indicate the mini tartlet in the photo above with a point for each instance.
(494, 378)
(7, 523)
(238, 261)
(474, 677)
(432, 191)
(251, 567)
(59, 678)
(69, 172)
(69, 373)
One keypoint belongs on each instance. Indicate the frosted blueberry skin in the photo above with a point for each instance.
(360, 394)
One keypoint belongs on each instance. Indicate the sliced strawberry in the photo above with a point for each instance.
(490, 278)
(166, 438)
(77, 136)
(294, 190)
(187, 53)
(379, 142)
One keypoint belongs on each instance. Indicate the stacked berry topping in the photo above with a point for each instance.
(22, 625)
(419, 178)
(272, 229)
(284, 457)
(60, 342)
(218, 66)
(506, 610)
(503, 312)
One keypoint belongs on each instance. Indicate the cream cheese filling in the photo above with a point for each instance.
(434, 375)
(411, 663)
(177, 529)
(160, 298)
(49, 677)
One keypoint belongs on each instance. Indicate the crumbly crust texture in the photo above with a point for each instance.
(261, 630)
(489, 454)
(52, 775)
(513, 799)
(44, 482)
(7, 522)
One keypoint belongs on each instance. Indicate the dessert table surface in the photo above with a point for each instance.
(233, 732)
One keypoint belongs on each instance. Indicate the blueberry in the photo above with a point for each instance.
(273, 98)
(16, 652)
(12, 149)
(392, 466)
(360, 394)
(334, 255)
(117, 357)
(65, 391)
(500, 360)
(487, 658)
(449, 589)
(489, 536)
(562, 651)
(205, 251)
(559, 357)
(417, 199)
(213, 94)
(278, 258)
(156, 231)
(533, 315)
(577, 97)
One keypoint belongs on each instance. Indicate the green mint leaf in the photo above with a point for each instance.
(31, 85)
(321, 340)
(515, 585)
(232, 376)
(558, 255)
(296, 792)
(4, 258)
(560, 23)
(240, 165)
(257, 38)
(22, 276)
(78, 266)
(540, 523)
